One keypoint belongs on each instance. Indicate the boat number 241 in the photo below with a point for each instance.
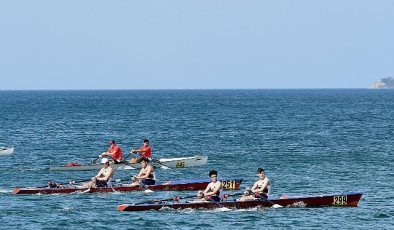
(340, 200)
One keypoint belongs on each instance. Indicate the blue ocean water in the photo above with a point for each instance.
(309, 142)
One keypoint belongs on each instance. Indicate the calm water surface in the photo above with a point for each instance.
(309, 142)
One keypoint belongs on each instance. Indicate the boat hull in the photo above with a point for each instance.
(180, 185)
(6, 151)
(339, 200)
(180, 162)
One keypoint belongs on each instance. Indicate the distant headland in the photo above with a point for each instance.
(384, 83)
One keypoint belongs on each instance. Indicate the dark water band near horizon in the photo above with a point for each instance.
(309, 142)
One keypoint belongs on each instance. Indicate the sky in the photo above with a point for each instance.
(196, 44)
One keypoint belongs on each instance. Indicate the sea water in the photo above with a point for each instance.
(312, 141)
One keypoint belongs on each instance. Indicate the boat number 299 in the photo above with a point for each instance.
(340, 200)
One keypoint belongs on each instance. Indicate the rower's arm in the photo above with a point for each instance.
(136, 151)
(215, 191)
(264, 186)
(147, 173)
(106, 176)
(108, 153)
(206, 189)
(139, 174)
(254, 187)
(112, 151)
(98, 174)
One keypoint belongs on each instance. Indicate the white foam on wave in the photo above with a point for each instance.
(188, 210)
(4, 190)
(221, 209)
(67, 208)
(248, 209)
(29, 169)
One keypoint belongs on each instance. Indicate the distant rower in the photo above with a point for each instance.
(145, 152)
(114, 152)
(213, 190)
(102, 178)
(260, 189)
(146, 176)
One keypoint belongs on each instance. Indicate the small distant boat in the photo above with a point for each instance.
(6, 151)
(178, 185)
(338, 200)
(180, 162)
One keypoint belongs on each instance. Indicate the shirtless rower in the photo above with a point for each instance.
(260, 189)
(146, 176)
(214, 188)
(102, 178)
(262, 186)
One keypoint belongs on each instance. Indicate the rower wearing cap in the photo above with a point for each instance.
(146, 176)
(103, 176)
(262, 186)
(114, 152)
(214, 188)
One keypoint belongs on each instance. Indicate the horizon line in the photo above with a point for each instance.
(164, 89)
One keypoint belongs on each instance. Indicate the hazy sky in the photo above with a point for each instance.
(195, 44)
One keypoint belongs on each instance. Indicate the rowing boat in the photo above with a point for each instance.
(179, 185)
(180, 162)
(6, 151)
(348, 199)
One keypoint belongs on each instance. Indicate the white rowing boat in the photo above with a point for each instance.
(179, 162)
(6, 151)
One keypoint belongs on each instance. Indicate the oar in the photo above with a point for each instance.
(168, 199)
(94, 161)
(273, 204)
(124, 159)
(235, 194)
(162, 165)
(262, 198)
(78, 181)
(144, 187)
(122, 179)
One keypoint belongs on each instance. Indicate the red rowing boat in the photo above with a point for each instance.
(341, 200)
(180, 185)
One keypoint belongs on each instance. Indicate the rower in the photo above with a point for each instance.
(262, 187)
(247, 195)
(144, 151)
(103, 177)
(114, 152)
(200, 197)
(214, 188)
(146, 176)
